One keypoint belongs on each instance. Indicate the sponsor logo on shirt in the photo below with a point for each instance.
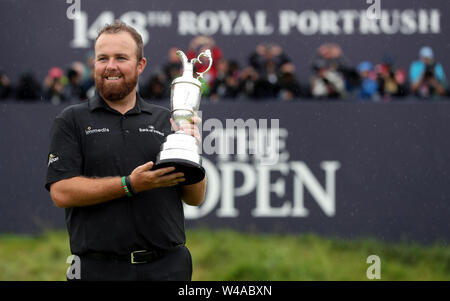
(51, 159)
(90, 130)
(151, 129)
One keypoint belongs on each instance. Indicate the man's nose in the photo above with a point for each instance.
(112, 64)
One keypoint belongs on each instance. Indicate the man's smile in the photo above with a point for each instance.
(112, 78)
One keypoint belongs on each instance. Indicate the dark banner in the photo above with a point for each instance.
(338, 169)
(37, 35)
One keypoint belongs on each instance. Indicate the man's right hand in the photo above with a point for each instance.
(143, 178)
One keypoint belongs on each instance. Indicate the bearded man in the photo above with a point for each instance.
(125, 219)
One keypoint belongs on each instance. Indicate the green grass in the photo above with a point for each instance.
(228, 255)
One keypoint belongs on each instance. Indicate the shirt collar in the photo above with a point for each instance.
(97, 102)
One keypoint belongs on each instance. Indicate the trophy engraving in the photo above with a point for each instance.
(180, 149)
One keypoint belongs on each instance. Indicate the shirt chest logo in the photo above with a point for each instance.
(151, 129)
(90, 131)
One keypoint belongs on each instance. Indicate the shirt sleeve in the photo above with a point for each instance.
(65, 157)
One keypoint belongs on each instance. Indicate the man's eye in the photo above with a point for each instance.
(102, 59)
(122, 58)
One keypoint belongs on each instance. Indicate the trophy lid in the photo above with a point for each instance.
(188, 68)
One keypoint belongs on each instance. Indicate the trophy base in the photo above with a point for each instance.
(193, 172)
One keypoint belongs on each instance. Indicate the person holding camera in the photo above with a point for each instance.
(427, 76)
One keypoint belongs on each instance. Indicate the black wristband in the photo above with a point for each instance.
(130, 188)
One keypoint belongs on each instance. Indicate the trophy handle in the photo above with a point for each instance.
(206, 53)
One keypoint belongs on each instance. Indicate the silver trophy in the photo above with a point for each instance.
(181, 150)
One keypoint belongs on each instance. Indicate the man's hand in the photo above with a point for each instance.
(192, 194)
(142, 178)
(190, 128)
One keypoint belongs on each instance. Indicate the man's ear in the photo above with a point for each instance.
(141, 65)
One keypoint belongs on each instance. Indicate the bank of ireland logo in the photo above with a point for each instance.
(151, 129)
(52, 158)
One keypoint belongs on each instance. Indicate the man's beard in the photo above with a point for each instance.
(115, 91)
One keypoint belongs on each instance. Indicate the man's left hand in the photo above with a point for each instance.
(190, 128)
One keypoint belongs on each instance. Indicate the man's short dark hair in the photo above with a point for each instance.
(119, 26)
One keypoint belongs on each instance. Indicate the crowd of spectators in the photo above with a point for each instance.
(268, 74)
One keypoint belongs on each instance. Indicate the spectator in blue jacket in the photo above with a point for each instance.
(368, 89)
(427, 76)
